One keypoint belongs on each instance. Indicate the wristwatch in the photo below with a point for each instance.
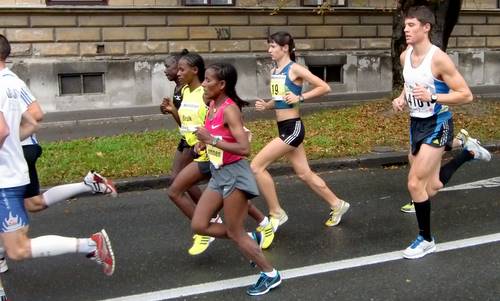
(434, 98)
(215, 139)
(301, 98)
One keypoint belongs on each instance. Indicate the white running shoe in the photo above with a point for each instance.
(419, 248)
(3, 265)
(279, 220)
(474, 146)
(336, 214)
(100, 184)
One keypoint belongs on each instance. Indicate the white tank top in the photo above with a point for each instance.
(423, 76)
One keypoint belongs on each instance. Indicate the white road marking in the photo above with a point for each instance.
(215, 286)
(487, 183)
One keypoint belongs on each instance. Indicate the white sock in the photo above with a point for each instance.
(64, 192)
(216, 219)
(86, 245)
(53, 245)
(264, 222)
(271, 274)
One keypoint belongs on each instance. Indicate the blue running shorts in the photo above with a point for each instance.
(12, 212)
(436, 131)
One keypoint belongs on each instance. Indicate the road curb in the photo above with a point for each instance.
(371, 160)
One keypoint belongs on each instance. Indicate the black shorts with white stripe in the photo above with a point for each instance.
(292, 131)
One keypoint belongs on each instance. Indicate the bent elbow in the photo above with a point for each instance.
(469, 97)
(36, 126)
(328, 89)
(245, 152)
(4, 134)
(39, 116)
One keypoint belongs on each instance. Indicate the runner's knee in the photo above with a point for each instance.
(19, 251)
(173, 193)
(35, 204)
(256, 169)
(234, 234)
(414, 184)
(199, 227)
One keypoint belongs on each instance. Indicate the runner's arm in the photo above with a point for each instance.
(320, 87)
(4, 129)
(262, 105)
(36, 111)
(459, 90)
(399, 102)
(167, 107)
(28, 126)
(232, 117)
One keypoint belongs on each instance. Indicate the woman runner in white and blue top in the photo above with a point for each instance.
(287, 79)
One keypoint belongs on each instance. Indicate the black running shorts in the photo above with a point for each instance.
(433, 131)
(292, 131)
(31, 154)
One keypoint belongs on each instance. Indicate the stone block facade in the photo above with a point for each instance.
(124, 32)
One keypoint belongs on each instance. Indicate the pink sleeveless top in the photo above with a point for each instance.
(216, 127)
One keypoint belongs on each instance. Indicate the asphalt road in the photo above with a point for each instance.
(151, 238)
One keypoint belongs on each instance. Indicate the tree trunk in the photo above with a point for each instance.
(446, 12)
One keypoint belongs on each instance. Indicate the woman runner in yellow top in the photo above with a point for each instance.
(192, 113)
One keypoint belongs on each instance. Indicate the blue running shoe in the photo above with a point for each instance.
(264, 284)
(257, 236)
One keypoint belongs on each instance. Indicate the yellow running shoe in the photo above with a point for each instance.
(267, 235)
(336, 214)
(408, 208)
(200, 244)
(278, 220)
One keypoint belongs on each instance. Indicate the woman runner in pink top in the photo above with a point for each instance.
(232, 182)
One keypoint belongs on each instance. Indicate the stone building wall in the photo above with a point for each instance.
(127, 41)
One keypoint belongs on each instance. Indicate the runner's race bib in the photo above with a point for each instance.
(190, 121)
(215, 155)
(418, 108)
(278, 87)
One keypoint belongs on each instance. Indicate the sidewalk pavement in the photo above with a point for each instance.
(108, 122)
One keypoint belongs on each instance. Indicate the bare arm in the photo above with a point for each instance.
(443, 68)
(459, 90)
(261, 104)
(28, 126)
(319, 86)
(167, 107)
(4, 129)
(36, 111)
(399, 102)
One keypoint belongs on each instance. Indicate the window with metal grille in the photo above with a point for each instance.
(328, 73)
(81, 83)
(77, 2)
(320, 2)
(208, 2)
